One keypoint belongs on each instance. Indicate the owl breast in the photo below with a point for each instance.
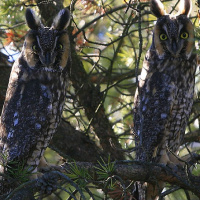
(163, 106)
(32, 111)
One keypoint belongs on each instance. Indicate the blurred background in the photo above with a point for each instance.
(109, 39)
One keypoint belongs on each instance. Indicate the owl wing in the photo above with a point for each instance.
(153, 103)
(25, 117)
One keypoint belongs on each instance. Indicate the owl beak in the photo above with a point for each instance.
(174, 47)
(47, 59)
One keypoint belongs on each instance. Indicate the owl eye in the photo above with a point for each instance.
(184, 35)
(60, 46)
(163, 36)
(35, 48)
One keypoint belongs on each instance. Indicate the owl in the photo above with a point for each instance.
(36, 91)
(164, 96)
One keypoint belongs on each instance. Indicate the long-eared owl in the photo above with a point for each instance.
(164, 97)
(36, 91)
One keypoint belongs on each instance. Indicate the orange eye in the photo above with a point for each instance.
(163, 36)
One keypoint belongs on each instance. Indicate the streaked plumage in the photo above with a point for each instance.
(164, 97)
(36, 91)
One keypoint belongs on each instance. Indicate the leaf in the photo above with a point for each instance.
(105, 170)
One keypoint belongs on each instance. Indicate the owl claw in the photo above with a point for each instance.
(170, 164)
(175, 166)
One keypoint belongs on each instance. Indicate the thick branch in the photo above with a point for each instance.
(4, 77)
(192, 137)
(138, 171)
(44, 185)
(73, 144)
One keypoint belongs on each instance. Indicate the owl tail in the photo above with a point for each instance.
(147, 191)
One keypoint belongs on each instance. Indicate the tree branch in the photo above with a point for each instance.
(139, 171)
(126, 170)
(75, 145)
(192, 137)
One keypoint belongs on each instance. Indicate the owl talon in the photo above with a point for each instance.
(175, 167)
(170, 164)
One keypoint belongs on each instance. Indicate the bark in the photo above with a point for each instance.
(5, 68)
(132, 170)
(73, 144)
(149, 172)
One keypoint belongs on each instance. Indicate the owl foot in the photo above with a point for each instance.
(175, 167)
(177, 161)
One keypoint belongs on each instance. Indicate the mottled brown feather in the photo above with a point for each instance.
(164, 97)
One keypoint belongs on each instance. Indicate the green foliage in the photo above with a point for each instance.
(181, 194)
(9, 13)
(15, 170)
(3, 159)
(79, 175)
(105, 170)
(82, 177)
(18, 171)
(108, 49)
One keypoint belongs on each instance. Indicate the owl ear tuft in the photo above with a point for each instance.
(61, 21)
(185, 7)
(157, 8)
(32, 20)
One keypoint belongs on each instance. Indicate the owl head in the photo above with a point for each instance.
(173, 34)
(47, 48)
